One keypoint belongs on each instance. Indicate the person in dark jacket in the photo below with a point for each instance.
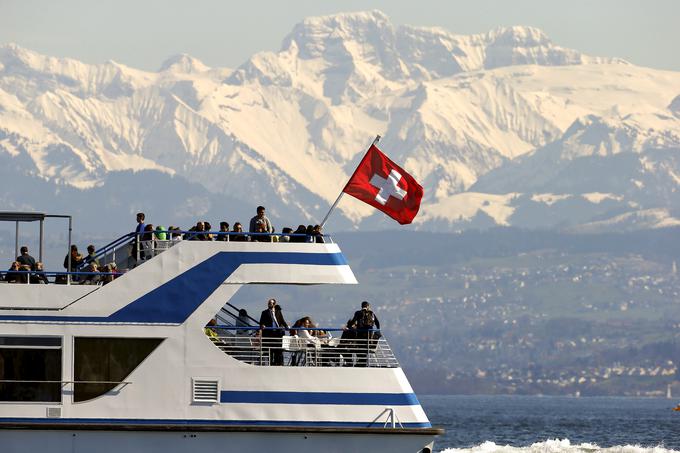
(76, 261)
(365, 322)
(272, 329)
(25, 259)
(301, 229)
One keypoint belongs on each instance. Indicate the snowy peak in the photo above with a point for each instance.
(593, 135)
(43, 73)
(352, 50)
(525, 45)
(519, 36)
(183, 63)
(357, 33)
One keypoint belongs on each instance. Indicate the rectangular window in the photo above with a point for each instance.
(30, 369)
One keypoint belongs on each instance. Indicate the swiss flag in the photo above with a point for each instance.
(386, 186)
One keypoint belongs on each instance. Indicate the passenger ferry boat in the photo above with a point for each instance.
(128, 367)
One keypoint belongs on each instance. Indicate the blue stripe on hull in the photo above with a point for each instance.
(336, 398)
(189, 423)
(174, 301)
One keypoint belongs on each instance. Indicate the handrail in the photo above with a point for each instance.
(325, 329)
(28, 276)
(108, 247)
(14, 381)
(237, 309)
(223, 233)
(55, 273)
(360, 349)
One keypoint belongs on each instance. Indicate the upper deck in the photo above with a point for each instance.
(173, 281)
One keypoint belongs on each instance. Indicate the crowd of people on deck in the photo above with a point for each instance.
(260, 229)
(148, 240)
(358, 336)
(25, 269)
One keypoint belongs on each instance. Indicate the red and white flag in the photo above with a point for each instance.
(386, 186)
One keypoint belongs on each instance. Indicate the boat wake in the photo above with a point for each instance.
(557, 446)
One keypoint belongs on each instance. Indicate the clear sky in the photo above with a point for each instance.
(143, 33)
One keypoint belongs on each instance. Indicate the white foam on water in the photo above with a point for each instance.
(557, 446)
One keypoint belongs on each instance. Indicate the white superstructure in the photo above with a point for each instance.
(127, 366)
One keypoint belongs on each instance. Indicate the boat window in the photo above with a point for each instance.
(30, 369)
(101, 364)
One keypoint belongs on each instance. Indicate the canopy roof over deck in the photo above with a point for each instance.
(17, 217)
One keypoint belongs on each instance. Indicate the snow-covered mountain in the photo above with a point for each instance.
(503, 127)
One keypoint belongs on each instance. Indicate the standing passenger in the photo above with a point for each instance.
(365, 322)
(268, 228)
(272, 329)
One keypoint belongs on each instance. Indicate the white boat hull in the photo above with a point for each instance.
(249, 439)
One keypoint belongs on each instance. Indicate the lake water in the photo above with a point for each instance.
(530, 424)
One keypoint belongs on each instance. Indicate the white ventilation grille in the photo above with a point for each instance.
(53, 412)
(205, 390)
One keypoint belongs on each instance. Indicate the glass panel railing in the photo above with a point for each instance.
(351, 348)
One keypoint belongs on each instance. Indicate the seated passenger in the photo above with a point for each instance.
(318, 236)
(91, 255)
(76, 260)
(299, 234)
(13, 274)
(148, 243)
(303, 333)
(161, 235)
(39, 275)
(196, 233)
(110, 272)
(25, 259)
(91, 279)
(285, 232)
(210, 331)
(309, 231)
(224, 228)
(207, 236)
(239, 237)
(175, 234)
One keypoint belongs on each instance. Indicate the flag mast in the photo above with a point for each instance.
(342, 192)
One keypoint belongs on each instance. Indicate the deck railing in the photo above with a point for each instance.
(353, 348)
(145, 245)
(133, 249)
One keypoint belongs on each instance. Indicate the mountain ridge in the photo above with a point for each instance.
(288, 127)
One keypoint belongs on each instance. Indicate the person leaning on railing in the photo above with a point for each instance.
(239, 236)
(39, 275)
(14, 274)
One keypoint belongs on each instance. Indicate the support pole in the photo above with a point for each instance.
(42, 235)
(16, 240)
(70, 228)
(342, 192)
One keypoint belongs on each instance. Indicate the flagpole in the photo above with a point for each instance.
(342, 192)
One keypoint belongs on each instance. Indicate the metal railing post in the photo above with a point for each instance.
(70, 229)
